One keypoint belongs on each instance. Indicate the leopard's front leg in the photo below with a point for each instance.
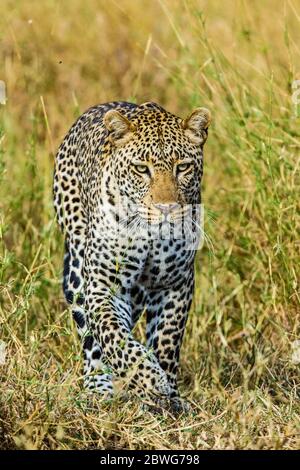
(166, 319)
(109, 314)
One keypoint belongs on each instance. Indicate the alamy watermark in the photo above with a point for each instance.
(295, 356)
(2, 92)
(2, 353)
(296, 97)
(159, 223)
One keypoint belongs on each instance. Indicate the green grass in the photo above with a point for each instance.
(236, 362)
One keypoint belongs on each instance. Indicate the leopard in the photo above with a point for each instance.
(126, 177)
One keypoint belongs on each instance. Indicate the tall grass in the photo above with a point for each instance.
(239, 360)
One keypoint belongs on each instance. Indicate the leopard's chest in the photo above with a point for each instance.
(167, 264)
(134, 257)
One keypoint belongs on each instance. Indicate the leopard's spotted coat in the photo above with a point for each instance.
(124, 162)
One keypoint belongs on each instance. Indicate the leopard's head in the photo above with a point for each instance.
(158, 159)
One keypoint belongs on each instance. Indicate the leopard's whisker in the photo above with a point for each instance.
(128, 217)
(207, 238)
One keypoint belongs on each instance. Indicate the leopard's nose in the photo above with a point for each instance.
(166, 208)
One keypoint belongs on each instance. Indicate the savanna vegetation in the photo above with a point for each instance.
(240, 360)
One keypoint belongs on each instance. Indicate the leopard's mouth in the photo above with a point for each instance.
(155, 217)
(147, 220)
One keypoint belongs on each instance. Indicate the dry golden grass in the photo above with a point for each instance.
(237, 58)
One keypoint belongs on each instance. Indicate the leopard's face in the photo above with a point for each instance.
(158, 161)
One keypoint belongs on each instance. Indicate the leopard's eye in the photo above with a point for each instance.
(141, 169)
(183, 167)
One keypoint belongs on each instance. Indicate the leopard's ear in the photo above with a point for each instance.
(196, 125)
(119, 127)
